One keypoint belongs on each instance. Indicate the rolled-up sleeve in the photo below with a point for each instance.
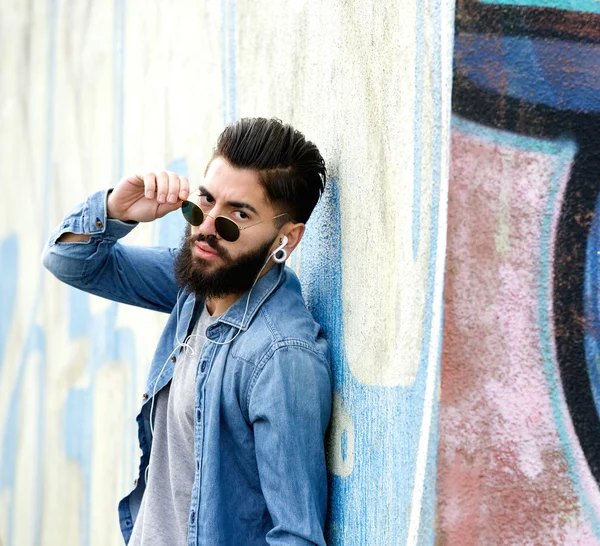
(289, 407)
(136, 275)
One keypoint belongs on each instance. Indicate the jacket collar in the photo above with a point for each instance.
(237, 315)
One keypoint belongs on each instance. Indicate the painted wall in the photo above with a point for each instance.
(519, 448)
(92, 90)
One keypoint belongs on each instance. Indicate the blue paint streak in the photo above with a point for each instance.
(426, 533)
(118, 86)
(107, 344)
(592, 6)
(591, 298)
(428, 524)
(232, 69)
(34, 343)
(377, 465)
(418, 127)
(344, 445)
(78, 410)
(9, 258)
(538, 71)
(10, 441)
(79, 313)
(39, 344)
(224, 57)
(320, 269)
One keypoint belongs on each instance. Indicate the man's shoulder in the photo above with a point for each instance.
(283, 320)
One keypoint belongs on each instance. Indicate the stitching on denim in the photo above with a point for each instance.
(284, 344)
(274, 333)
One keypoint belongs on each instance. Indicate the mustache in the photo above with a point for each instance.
(211, 241)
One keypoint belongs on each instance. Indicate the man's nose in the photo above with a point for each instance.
(208, 227)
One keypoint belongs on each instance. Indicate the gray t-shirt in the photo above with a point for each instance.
(164, 511)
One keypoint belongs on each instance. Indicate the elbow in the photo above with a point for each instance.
(46, 258)
(64, 268)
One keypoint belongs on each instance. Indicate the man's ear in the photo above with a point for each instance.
(294, 233)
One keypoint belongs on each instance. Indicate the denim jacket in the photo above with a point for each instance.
(262, 402)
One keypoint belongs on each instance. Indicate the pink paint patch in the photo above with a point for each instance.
(503, 476)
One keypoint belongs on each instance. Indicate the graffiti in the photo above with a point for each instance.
(155, 91)
(518, 449)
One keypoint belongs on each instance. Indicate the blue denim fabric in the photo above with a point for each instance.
(263, 402)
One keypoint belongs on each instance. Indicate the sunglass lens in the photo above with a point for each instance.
(192, 213)
(227, 229)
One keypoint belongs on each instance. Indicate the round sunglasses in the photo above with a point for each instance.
(225, 227)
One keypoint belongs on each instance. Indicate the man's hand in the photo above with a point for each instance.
(146, 197)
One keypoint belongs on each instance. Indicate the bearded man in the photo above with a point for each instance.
(238, 396)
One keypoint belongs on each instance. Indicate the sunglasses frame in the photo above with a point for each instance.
(187, 203)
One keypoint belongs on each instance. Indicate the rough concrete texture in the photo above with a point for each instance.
(519, 455)
(92, 90)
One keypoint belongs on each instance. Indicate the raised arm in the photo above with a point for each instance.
(84, 251)
(290, 407)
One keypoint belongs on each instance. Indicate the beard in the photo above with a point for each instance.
(234, 277)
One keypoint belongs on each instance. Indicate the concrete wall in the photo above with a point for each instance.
(519, 449)
(92, 90)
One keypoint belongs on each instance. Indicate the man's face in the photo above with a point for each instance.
(211, 266)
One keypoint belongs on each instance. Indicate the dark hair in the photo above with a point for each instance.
(290, 168)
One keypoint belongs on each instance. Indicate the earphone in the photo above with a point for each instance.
(279, 255)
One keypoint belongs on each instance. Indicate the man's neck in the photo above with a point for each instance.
(217, 306)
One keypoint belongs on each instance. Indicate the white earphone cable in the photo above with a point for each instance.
(186, 345)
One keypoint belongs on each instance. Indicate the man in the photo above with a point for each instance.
(238, 396)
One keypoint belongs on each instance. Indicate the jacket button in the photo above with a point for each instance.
(99, 224)
(203, 367)
(135, 482)
(173, 359)
(145, 396)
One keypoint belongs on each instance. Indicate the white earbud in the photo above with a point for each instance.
(280, 253)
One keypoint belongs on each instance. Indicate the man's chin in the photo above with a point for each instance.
(200, 265)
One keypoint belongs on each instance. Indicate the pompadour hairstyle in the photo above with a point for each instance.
(290, 168)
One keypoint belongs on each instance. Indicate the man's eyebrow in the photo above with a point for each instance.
(234, 204)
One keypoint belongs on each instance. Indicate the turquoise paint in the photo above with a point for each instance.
(564, 150)
(506, 139)
(564, 158)
(591, 6)
(591, 299)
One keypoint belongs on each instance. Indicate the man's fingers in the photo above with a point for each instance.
(184, 188)
(173, 188)
(149, 185)
(162, 186)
